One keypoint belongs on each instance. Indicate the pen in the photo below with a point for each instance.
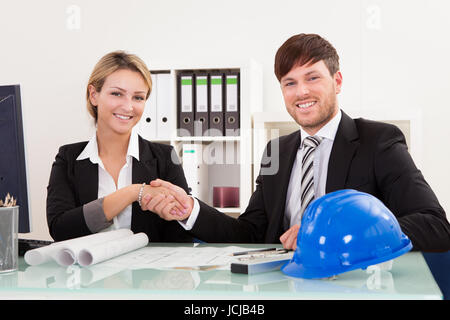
(241, 253)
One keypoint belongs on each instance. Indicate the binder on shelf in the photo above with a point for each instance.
(164, 123)
(196, 171)
(216, 127)
(232, 104)
(147, 128)
(185, 104)
(201, 118)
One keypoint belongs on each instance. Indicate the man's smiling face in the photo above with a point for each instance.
(310, 94)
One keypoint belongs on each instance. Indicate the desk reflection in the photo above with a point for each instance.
(373, 280)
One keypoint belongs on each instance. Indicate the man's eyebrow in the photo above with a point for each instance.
(305, 75)
(310, 72)
(126, 90)
(287, 79)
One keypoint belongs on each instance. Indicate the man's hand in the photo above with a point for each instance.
(170, 203)
(289, 238)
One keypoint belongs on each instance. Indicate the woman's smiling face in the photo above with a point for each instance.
(121, 101)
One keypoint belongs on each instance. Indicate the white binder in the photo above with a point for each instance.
(147, 124)
(195, 170)
(164, 110)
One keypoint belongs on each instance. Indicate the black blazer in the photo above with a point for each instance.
(366, 155)
(75, 183)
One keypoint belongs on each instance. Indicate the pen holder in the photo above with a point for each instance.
(9, 246)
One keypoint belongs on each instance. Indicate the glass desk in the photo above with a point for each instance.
(409, 278)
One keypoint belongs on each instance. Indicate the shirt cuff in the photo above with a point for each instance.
(188, 223)
(95, 216)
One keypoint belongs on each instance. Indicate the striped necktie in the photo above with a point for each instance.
(307, 184)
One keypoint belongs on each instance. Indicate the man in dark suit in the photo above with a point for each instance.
(350, 154)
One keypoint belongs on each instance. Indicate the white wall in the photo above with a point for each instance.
(394, 56)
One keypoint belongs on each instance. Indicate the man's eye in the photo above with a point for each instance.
(313, 78)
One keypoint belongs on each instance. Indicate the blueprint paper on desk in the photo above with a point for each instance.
(194, 258)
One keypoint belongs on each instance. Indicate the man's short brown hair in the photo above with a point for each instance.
(304, 49)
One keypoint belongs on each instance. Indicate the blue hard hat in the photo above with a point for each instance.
(342, 231)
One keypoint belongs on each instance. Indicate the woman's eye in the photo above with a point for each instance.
(117, 94)
(139, 98)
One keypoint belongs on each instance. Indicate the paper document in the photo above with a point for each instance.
(191, 258)
(104, 245)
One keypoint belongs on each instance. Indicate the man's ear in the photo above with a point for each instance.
(93, 95)
(338, 81)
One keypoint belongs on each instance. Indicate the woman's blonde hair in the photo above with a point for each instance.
(110, 63)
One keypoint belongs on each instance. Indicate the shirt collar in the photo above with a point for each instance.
(328, 131)
(91, 150)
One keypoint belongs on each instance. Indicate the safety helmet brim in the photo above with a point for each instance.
(298, 269)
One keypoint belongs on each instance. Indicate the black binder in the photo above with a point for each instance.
(13, 179)
(185, 104)
(216, 99)
(201, 99)
(232, 103)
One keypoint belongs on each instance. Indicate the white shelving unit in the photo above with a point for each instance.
(236, 169)
(270, 125)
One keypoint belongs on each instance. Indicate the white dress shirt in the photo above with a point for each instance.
(106, 184)
(320, 167)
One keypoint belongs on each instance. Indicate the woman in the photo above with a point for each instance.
(98, 185)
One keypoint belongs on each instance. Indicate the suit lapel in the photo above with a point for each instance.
(344, 147)
(144, 170)
(279, 185)
(86, 179)
(288, 153)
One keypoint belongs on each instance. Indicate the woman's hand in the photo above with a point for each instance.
(168, 201)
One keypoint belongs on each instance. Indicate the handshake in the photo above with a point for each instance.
(168, 201)
(171, 202)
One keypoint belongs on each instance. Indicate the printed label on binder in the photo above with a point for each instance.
(216, 94)
(232, 94)
(186, 94)
(202, 93)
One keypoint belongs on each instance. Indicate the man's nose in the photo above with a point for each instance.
(302, 90)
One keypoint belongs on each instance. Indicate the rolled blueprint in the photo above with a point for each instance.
(104, 251)
(41, 255)
(65, 252)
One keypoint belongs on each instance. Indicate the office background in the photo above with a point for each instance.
(394, 58)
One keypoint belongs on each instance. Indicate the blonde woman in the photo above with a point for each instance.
(97, 185)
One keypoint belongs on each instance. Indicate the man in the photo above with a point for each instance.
(331, 151)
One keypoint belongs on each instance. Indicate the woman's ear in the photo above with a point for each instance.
(93, 95)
